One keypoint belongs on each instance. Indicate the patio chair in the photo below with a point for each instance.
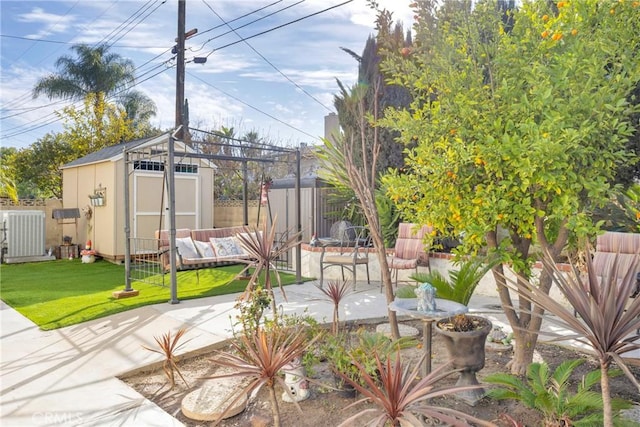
(409, 249)
(622, 252)
(348, 249)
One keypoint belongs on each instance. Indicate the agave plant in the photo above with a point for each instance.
(168, 346)
(261, 357)
(603, 320)
(264, 251)
(400, 399)
(335, 292)
(549, 393)
(461, 283)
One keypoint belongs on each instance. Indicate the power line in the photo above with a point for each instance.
(139, 22)
(280, 26)
(50, 122)
(252, 107)
(25, 97)
(246, 24)
(105, 39)
(124, 46)
(239, 17)
(267, 61)
(16, 133)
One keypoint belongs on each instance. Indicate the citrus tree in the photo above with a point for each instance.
(521, 119)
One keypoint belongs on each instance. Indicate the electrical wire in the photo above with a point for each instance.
(280, 26)
(16, 133)
(32, 128)
(139, 22)
(24, 52)
(238, 18)
(27, 96)
(118, 29)
(124, 46)
(247, 24)
(252, 107)
(266, 60)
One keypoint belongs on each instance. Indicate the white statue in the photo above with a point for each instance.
(294, 378)
(426, 294)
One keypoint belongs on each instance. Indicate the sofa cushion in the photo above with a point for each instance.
(187, 248)
(225, 247)
(205, 249)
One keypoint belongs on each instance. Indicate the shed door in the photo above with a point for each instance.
(151, 205)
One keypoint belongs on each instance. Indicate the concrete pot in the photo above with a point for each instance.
(466, 350)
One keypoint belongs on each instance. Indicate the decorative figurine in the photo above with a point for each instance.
(426, 294)
(294, 378)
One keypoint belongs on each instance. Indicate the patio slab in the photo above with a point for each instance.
(68, 376)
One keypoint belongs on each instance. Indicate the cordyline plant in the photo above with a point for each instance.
(264, 251)
(400, 399)
(168, 347)
(335, 292)
(261, 357)
(604, 318)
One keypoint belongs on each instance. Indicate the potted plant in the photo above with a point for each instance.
(464, 336)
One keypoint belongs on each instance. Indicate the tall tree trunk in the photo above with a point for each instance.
(526, 319)
(387, 283)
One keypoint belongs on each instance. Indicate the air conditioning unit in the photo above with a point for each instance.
(23, 233)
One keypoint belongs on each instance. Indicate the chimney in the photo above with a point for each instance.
(331, 126)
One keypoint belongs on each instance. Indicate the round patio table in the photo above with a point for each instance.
(444, 308)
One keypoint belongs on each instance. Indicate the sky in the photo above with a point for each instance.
(280, 83)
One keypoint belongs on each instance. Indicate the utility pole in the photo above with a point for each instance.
(180, 66)
(170, 166)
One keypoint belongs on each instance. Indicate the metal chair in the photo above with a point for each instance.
(348, 249)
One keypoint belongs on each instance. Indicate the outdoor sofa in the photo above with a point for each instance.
(200, 248)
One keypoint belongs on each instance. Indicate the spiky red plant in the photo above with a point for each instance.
(335, 292)
(399, 397)
(261, 357)
(168, 346)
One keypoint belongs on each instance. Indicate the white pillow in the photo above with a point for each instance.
(186, 248)
(204, 248)
(225, 246)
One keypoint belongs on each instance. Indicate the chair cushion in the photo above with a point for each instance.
(402, 264)
(338, 259)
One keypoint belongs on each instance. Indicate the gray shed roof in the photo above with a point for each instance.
(107, 153)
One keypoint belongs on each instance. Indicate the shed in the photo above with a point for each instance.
(95, 185)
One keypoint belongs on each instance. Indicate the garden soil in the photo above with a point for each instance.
(327, 407)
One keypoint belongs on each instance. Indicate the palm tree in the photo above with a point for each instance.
(97, 71)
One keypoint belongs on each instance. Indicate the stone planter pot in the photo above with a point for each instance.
(466, 350)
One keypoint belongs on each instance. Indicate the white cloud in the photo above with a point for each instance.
(52, 23)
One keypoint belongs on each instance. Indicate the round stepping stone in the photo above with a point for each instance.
(208, 402)
(405, 330)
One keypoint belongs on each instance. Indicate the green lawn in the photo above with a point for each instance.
(62, 293)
